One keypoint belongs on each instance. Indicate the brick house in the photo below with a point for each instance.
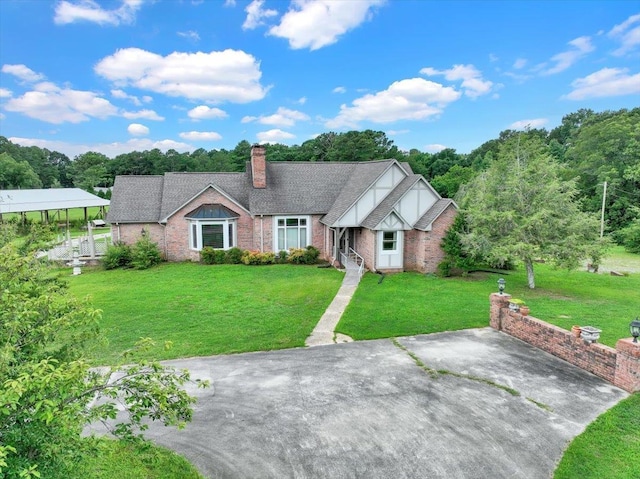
(379, 212)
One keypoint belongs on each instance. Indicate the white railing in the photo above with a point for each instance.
(83, 245)
(352, 260)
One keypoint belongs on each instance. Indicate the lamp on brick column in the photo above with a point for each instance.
(635, 329)
(501, 283)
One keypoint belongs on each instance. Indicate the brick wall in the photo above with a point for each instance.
(366, 244)
(131, 232)
(423, 252)
(177, 228)
(620, 366)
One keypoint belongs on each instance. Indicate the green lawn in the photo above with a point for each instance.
(206, 310)
(608, 447)
(132, 460)
(410, 303)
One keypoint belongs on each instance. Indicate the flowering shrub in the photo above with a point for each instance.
(257, 258)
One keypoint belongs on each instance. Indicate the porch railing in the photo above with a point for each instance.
(352, 260)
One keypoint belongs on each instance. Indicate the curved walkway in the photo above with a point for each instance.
(324, 332)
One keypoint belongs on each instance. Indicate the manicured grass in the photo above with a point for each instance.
(206, 310)
(411, 303)
(608, 447)
(127, 460)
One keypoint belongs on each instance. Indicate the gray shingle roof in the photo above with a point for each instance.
(180, 188)
(432, 214)
(292, 188)
(136, 199)
(385, 207)
(361, 178)
(300, 187)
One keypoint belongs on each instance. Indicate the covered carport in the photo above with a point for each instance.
(51, 203)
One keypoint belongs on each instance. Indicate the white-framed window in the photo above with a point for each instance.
(219, 234)
(389, 242)
(292, 232)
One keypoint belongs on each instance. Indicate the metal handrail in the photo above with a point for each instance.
(357, 259)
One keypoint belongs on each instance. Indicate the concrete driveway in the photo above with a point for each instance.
(368, 410)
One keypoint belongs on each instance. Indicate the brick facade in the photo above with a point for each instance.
(177, 228)
(620, 366)
(422, 250)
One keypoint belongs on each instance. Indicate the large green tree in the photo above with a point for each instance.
(520, 209)
(49, 388)
(17, 174)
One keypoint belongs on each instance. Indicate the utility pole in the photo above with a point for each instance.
(604, 197)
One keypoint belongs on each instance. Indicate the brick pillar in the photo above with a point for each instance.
(499, 304)
(627, 374)
(258, 166)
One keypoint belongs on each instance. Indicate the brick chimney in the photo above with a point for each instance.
(258, 166)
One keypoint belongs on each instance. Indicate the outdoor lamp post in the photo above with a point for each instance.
(501, 283)
(635, 329)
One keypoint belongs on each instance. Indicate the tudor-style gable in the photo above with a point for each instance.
(370, 196)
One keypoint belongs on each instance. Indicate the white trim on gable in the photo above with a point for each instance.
(210, 185)
(416, 201)
(393, 221)
(372, 196)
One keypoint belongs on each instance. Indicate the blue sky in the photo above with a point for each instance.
(121, 75)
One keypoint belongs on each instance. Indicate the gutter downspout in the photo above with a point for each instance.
(262, 233)
(164, 235)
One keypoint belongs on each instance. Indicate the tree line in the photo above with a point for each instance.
(589, 147)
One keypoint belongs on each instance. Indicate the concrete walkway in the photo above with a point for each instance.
(324, 333)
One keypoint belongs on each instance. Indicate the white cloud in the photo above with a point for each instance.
(229, 3)
(229, 75)
(493, 57)
(144, 114)
(201, 136)
(90, 11)
(147, 99)
(274, 136)
(519, 63)
(109, 149)
(434, 148)
(472, 82)
(339, 89)
(629, 37)
(203, 112)
(5, 93)
(282, 117)
(190, 35)
(23, 72)
(581, 46)
(410, 99)
(50, 103)
(125, 96)
(315, 24)
(2, 116)
(255, 14)
(526, 124)
(396, 132)
(302, 100)
(136, 129)
(605, 83)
